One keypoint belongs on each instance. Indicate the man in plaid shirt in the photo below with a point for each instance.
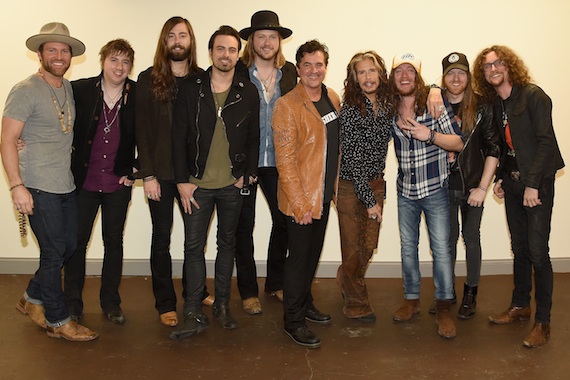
(422, 145)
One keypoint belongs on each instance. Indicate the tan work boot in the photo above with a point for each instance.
(407, 310)
(445, 324)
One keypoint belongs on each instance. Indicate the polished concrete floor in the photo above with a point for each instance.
(258, 349)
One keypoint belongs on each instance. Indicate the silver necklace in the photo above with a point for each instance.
(108, 124)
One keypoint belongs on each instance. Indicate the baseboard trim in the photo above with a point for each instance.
(327, 269)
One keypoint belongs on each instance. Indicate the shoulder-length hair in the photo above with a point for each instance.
(248, 55)
(353, 95)
(518, 72)
(420, 93)
(163, 81)
(468, 110)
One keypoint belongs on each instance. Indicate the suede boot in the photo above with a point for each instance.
(445, 325)
(407, 310)
(469, 302)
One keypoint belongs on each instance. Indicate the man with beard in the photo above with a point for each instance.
(529, 163)
(421, 144)
(157, 88)
(41, 111)
(265, 66)
(215, 149)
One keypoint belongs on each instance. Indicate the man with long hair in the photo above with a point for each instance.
(529, 162)
(264, 64)
(471, 171)
(174, 60)
(365, 121)
(421, 143)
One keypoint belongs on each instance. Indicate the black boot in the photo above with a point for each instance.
(224, 316)
(469, 302)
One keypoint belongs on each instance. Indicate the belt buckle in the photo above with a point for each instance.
(515, 175)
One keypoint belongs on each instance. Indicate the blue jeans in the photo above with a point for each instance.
(470, 230)
(114, 208)
(436, 210)
(54, 224)
(227, 202)
(530, 232)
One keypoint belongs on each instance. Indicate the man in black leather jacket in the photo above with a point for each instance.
(529, 163)
(215, 149)
(471, 172)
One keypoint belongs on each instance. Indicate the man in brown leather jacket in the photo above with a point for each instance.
(306, 138)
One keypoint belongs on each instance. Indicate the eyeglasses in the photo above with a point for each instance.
(499, 63)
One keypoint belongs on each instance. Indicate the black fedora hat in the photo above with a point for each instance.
(265, 20)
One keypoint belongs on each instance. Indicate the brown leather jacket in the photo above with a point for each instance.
(300, 140)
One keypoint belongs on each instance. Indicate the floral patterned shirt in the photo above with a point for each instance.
(364, 145)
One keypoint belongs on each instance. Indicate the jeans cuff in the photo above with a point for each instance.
(58, 324)
(32, 300)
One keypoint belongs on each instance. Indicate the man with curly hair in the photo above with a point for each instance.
(525, 176)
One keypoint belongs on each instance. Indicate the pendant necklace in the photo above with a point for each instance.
(266, 83)
(113, 101)
(59, 107)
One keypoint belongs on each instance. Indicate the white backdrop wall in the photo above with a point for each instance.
(538, 30)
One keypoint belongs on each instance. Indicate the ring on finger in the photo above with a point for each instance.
(441, 108)
(148, 196)
(192, 200)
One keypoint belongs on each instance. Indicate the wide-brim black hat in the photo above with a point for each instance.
(265, 20)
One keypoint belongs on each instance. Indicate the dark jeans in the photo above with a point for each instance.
(305, 246)
(471, 223)
(114, 207)
(162, 214)
(54, 224)
(228, 203)
(245, 262)
(530, 232)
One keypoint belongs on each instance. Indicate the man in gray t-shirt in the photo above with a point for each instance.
(40, 110)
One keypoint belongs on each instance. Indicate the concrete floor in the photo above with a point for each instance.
(259, 349)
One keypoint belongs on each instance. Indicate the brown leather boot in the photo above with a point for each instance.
(72, 331)
(407, 310)
(36, 312)
(513, 313)
(445, 325)
(538, 335)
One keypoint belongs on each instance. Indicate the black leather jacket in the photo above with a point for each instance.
(529, 112)
(88, 104)
(194, 120)
(484, 141)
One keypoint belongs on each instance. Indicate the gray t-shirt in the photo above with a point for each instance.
(45, 161)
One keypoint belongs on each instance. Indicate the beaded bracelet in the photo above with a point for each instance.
(482, 188)
(17, 185)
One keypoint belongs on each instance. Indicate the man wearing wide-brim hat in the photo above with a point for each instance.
(265, 65)
(41, 111)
